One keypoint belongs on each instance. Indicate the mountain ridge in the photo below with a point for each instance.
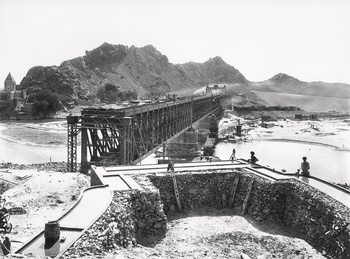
(143, 70)
(148, 72)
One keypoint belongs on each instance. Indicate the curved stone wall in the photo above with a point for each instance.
(322, 220)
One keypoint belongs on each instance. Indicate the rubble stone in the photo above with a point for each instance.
(134, 214)
(324, 221)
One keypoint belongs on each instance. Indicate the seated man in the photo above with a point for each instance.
(305, 166)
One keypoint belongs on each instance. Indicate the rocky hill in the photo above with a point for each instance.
(283, 83)
(142, 70)
(285, 90)
(148, 73)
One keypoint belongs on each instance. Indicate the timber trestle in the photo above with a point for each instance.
(125, 136)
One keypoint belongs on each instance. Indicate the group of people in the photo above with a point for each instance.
(253, 159)
(304, 167)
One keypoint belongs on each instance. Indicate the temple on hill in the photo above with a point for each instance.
(14, 93)
(12, 90)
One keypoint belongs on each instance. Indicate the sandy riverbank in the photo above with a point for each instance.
(328, 132)
(53, 133)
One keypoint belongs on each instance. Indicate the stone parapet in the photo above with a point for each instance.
(132, 215)
(322, 220)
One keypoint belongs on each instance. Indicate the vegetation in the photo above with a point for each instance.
(111, 94)
(7, 110)
(44, 103)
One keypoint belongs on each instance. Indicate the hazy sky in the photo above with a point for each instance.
(307, 39)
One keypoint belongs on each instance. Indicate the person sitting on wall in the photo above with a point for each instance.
(253, 159)
(305, 166)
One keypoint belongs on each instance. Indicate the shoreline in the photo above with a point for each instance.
(6, 125)
(337, 148)
(6, 137)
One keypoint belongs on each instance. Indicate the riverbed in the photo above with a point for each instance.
(280, 146)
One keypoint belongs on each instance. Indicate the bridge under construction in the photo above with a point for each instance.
(127, 135)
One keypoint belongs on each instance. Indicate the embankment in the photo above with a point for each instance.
(322, 221)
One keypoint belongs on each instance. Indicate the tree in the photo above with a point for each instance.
(111, 94)
(44, 103)
(8, 109)
(110, 87)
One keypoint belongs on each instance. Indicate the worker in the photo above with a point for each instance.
(233, 155)
(170, 166)
(253, 159)
(305, 166)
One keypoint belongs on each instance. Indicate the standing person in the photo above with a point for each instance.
(305, 166)
(253, 159)
(170, 166)
(233, 155)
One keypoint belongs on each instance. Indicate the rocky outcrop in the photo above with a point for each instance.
(215, 70)
(142, 70)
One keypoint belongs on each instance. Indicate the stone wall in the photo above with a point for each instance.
(323, 221)
(131, 216)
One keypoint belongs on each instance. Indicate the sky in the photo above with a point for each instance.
(306, 39)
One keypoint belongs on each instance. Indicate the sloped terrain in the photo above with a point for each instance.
(148, 73)
(142, 70)
(306, 102)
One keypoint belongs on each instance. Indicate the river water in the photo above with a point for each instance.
(325, 162)
(28, 154)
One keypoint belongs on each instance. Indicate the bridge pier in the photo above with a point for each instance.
(128, 135)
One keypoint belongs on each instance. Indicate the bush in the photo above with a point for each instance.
(45, 103)
(111, 94)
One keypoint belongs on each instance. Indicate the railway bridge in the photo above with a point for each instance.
(127, 135)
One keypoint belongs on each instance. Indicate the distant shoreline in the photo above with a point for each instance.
(30, 141)
(305, 142)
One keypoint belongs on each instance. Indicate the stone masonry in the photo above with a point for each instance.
(323, 221)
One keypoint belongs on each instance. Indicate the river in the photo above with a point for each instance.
(325, 162)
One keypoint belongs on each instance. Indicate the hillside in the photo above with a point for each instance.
(148, 73)
(142, 70)
(282, 83)
(306, 102)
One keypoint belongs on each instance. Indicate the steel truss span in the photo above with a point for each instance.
(128, 135)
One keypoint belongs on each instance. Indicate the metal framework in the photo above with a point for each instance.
(128, 135)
